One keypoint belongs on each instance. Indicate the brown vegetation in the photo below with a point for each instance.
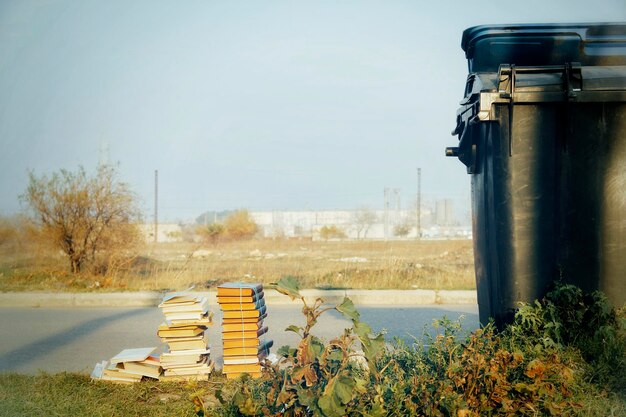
(92, 220)
(410, 264)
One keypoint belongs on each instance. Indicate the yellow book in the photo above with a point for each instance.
(183, 331)
(247, 354)
(239, 289)
(244, 335)
(243, 306)
(239, 327)
(238, 300)
(186, 344)
(238, 374)
(243, 314)
(249, 368)
(241, 343)
(244, 320)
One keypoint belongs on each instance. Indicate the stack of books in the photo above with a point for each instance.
(129, 366)
(186, 356)
(243, 311)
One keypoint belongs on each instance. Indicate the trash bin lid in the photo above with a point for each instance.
(488, 46)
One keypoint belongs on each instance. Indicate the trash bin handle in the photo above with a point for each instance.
(572, 72)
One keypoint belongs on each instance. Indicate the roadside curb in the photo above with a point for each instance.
(272, 297)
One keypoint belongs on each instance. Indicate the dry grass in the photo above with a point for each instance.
(67, 394)
(445, 264)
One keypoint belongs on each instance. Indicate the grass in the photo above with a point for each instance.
(406, 264)
(69, 394)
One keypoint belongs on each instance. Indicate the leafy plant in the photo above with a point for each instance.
(567, 317)
(535, 367)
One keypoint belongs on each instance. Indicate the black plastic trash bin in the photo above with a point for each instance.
(542, 131)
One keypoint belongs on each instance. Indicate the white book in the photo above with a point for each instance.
(133, 355)
(98, 370)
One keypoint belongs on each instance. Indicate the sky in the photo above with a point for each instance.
(264, 105)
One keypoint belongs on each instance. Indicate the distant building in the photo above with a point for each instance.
(355, 224)
(444, 213)
(378, 224)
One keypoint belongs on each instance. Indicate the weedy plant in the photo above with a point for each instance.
(316, 378)
(553, 360)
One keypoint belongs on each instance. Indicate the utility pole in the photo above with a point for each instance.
(418, 211)
(156, 205)
(386, 193)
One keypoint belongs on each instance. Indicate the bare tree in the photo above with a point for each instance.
(89, 218)
(364, 218)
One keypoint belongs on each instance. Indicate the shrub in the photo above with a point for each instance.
(211, 233)
(92, 219)
(567, 317)
(331, 232)
(239, 225)
(402, 230)
(8, 231)
(445, 374)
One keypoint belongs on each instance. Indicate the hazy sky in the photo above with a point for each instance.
(256, 104)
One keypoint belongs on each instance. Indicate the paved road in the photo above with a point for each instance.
(74, 339)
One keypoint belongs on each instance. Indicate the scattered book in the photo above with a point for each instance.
(150, 367)
(115, 373)
(186, 354)
(132, 355)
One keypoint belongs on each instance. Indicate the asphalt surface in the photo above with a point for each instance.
(74, 339)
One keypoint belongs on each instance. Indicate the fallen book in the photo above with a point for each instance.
(98, 370)
(239, 289)
(151, 367)
(115, 372)
(132, 355)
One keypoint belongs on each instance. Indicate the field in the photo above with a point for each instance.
(400, 264)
